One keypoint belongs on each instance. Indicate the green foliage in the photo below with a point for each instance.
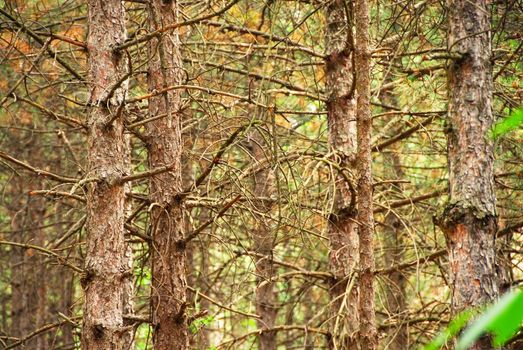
(502, 320)
(248, 324)
(142, 336)
(448, 333)
(512, 122)
(199, 323)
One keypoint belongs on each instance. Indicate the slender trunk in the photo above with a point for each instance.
(29, 286)
(504, 264)
(169, 281)
(394, 241)
(309, 313)
(37, 217)
(395, 287)
(342, 230)
(105, 266)
(198, 259)
(368, 334)
(61, 282)
(469, 220)
(65, 289)
(198, 256)
(28, 281)
(4, 300)
(197, 251)
(266, 298)
(204, 341)
(203, 283)
(128, 283)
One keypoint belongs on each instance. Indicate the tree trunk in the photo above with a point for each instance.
(128, 283)
(198, 260)
(108, 154)
(164, 142)
(28, 283)
(342, 230)
(394, 245)
(394, 240)
(41, 314)
(264, 240)
(469, 220)
(368, 334)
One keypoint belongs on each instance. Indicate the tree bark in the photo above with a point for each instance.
(342, 230)
(469, 220)
(108, 153)
(368, 334)
(264, 241)
(164, 143)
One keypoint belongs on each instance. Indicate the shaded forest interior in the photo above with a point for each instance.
(269, 175)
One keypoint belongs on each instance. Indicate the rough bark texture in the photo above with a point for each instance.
(469, 220)
(342, 230)
(108, 151)
(367, 335)
(264, 240)
(164, 142)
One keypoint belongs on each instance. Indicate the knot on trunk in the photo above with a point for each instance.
(461, 213)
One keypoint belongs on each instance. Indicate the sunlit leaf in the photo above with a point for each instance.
(502, 320)
(512, 122)
(448, 333)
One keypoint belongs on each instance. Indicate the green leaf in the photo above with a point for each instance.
(453, 328)
(502, 320)
(510, 123)
(199, 323)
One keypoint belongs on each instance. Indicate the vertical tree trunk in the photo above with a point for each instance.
(394, 240)
(41, 314)
(198, 259)
(28, 283)
(61, 283)
(107, 161)
(342, 230)
(395, 285)
(469, 220)
(365, 218)
(263, 237)
(169, 281)
(504, 265)
(64, 289)
(128, 283)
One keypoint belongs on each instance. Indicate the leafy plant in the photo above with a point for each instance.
(448, 333)
(199, 323)
(512, 122)
(502, 320)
